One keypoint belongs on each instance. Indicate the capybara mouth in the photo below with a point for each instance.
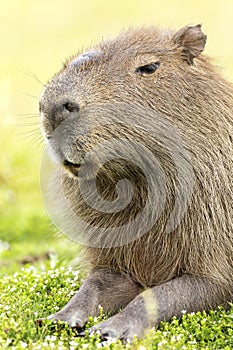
(75, 169)
(72, 167)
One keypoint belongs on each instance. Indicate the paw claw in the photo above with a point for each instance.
(92, 330)
(75, 324)
(82, 334)
(107, 334)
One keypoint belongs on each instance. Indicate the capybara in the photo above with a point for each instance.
(140, 128)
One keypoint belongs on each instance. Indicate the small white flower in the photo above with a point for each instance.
(72, 343)
(163, 342)
(23, 345)
(8, 341)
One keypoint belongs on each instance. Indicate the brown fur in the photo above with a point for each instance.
(187, 91)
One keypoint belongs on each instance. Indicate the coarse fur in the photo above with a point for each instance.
(187, 91)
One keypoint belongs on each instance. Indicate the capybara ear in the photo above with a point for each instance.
(191, 40)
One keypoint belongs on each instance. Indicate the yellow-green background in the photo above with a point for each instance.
(37, 36)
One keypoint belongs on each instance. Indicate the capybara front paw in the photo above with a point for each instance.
(118, 327)
(73, 319)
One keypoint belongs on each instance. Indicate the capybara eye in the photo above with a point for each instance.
(148, 68)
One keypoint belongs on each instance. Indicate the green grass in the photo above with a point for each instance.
(38, 291)
(47, 283)
(37, 37)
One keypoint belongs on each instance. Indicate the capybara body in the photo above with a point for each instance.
(156, 88)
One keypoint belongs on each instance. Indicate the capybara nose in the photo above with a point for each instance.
(71, 107)
(53, 114)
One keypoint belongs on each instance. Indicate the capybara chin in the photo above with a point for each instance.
(153, 115)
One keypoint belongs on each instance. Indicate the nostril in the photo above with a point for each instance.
(71, 107)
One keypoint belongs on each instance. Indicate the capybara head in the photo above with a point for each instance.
(148, 67)
(141, 129)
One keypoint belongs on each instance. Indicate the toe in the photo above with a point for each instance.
(76, 324)
(107, 334)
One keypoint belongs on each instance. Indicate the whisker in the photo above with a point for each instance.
(30, 132)
(28, 115)
(27, 121)
(26, 124)
(34, 138)
(32, 96)
(32, 75)
(41, 141)
(37, 141)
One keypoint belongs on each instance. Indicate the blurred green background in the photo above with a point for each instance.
(36, 37)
